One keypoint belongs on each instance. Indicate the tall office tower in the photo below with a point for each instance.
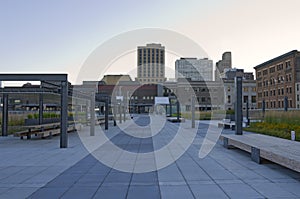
(151, 63)
(195, 69)
(222, 64)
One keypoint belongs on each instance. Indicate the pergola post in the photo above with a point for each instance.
(41, 108)
(64, 115)
(178, 111)
(124, 112)
(5, 115)
(92, 112)
(193, 111)
(238, 106)
(106, 113)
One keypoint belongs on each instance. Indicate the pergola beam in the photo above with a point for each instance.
(62, 78)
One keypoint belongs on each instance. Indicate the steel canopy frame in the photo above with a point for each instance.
(62, 78)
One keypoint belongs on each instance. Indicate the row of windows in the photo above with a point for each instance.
(279, 67)
(245, 99)
(279, 92)
(151, 80)
(245, 89)
(144, 97)
(272, 81)
(280, 104)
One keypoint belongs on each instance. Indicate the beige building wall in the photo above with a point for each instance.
(151, 63)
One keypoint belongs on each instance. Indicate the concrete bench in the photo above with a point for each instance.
(174, 119)
(280, 151)
(227, 124)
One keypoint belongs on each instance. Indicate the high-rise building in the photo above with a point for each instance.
(277, 80)
(151, 63)
(195, 69)
(223, 64)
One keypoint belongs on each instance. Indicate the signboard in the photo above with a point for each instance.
(161, 100)
(119, 98)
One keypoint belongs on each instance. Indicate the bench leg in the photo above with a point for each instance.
(226, 145)
(255, 155)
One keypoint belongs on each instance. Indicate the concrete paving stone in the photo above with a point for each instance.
(19, 192)
(4, 189)
(240, 191)
(222, 175)
(90, 180)
(41, 178)
(290, 187)
(118, 177)
(271, 190)
(145, 192)
(64, 180)
(272, 173)
(111, 192)
(175, 192)
(48, 193)
(198, 182)
(246, 174)
(16, 178)
(228, 181)
(79, 192)
(170, 174)
(149, 177)
(208, 191)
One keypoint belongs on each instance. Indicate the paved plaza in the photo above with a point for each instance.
(38, 168)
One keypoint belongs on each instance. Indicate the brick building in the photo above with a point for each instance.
(277, 79)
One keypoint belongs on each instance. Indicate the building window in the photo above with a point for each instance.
(272, 70)
(228, 99)
(245, 89)
(253, 99)
(245, 98)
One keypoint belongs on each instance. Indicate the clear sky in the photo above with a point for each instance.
(58, 35)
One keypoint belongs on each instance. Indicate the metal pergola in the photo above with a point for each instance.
(63, 88)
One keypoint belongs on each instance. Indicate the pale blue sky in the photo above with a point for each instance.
(58, 35)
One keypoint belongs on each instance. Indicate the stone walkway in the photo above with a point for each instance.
(39, 169)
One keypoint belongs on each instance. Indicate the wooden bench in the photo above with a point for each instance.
(227, 124)
(280, 151)
(43, 130)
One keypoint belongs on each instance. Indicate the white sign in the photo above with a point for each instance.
(161, 100)
(119, 98)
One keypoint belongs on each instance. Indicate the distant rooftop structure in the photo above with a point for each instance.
(193, 68)
(114, 79)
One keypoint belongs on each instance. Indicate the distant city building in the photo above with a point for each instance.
(231, 73)
(222, 64)
(114, 79)
(248, 76)
(151, 63)
(277, 79)
(297, 95)
(209, 94)
(195, 69)
(248, 94)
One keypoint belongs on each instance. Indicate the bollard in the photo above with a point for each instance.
(293, 135)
